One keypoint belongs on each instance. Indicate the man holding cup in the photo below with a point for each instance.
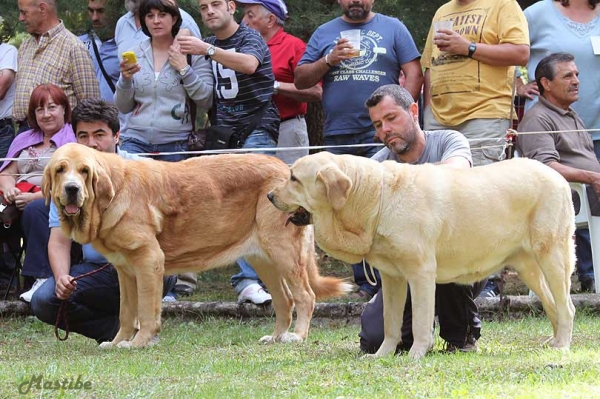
(354, 55)
(469, 59)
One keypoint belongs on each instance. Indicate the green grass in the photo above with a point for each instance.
(217, 358)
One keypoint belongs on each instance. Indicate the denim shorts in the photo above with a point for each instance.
(135, 146)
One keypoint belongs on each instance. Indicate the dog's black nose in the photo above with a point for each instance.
(270, 196)
(71, 190)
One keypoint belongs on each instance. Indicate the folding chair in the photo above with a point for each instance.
(584, 218)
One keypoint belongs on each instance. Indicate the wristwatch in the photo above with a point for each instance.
(211, 50)
(472, 49)
(275, 87)
(183, 71)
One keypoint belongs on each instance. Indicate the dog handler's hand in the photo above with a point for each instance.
(65, 286)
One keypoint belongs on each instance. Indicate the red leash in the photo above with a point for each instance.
(62, 314)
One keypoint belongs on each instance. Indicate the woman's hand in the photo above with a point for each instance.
(177, 60)
(22, 199)
(128, 70)
(10, 195)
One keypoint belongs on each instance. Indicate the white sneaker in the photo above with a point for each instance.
(256, 294)
(169, 298)
(26, 296)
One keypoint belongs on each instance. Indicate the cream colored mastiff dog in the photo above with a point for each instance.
(424, 224)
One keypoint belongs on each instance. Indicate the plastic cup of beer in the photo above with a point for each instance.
(445, 25)
(353, 36)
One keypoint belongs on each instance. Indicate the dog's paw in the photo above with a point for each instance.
(290, 338)
(124, 345)
(106, 345)
(267, 339)
(555, 343)
(416, 353)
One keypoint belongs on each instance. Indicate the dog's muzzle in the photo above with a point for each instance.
(72, 194)
(300, 218)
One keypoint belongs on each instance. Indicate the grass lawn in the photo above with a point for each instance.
(216, 358)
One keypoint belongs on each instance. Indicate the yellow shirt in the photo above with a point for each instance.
(461, 87)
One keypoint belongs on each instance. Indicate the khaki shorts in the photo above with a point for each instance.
(486, 136)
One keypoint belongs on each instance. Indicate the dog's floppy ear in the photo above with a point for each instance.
(47, 183)
(337, 184)
(102, 186)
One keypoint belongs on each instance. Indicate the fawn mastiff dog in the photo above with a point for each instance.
(151, 217)
(426, 223)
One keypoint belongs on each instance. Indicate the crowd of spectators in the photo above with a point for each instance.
(256, 79)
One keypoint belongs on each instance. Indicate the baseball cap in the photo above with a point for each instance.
(277, 7)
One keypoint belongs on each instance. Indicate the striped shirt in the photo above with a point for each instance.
(240, 96)
(59, 58)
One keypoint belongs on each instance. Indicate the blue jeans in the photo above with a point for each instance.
(7, 134)
(261, 139)
(247, 275)
(348, 139)
(583, 250)
(34, 222)
(138, 147)
(93, 309)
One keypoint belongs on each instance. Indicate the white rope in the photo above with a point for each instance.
(318, 147)
(373, 281)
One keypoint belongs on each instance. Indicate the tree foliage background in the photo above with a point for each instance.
(305, 15)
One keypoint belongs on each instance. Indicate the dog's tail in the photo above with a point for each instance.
(326, 287)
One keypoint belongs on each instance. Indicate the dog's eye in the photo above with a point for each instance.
(85, 170)
(293, 178)
(60, 170)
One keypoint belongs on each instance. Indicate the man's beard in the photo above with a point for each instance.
(357, 13)
(405, 145)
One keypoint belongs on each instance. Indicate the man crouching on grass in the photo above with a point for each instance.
(93, 301)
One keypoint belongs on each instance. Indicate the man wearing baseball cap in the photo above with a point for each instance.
(268, 18)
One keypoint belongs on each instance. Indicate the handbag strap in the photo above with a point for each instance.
(106, 76)
(255, 121)
(192, 103)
